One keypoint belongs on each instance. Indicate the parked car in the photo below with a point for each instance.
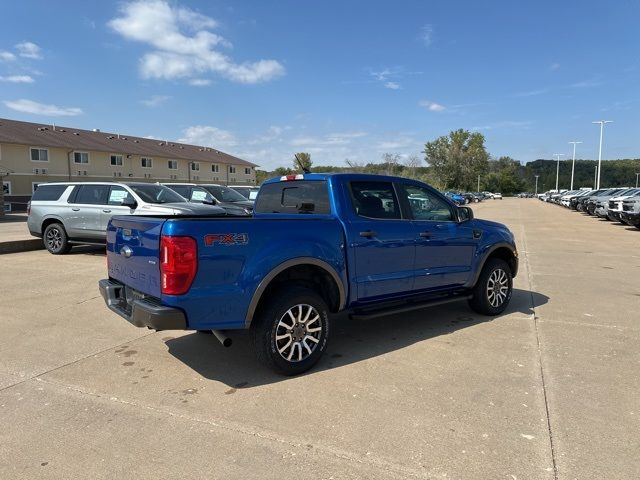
(248, 192)
(631, 211)
(199, 194)
(228, 196)
(319, 244)
(614, 209)
(75, 213)
(497, 196)
(456, 198)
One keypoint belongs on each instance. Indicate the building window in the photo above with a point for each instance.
(215, 168)
(39, 155)
(232, 169)
(247, 171)
(195, 166)
(6, 187)
(216, 179)
(146, 162)
(80, 157)
(172, 164)
(116, 160)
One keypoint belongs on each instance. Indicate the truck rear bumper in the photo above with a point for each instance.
(141, 312)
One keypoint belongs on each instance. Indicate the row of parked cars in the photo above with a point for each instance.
(68, 213)
(462, 198)
(619, 204)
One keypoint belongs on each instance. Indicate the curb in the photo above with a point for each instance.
(16, 246)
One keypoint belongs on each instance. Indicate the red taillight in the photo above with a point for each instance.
(290, 178)
(178, 264)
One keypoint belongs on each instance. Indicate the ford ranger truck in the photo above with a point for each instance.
(318, 244)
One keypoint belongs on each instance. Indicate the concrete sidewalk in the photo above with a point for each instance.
(549, 390)
(15, 236)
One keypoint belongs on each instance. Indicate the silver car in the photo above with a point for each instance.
(64, 214)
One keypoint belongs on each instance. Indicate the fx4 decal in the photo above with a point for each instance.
(226, 239)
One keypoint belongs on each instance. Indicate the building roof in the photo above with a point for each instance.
(46, 135)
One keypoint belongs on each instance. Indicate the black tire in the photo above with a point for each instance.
(55, 239)
(491, 282)
(272, 322)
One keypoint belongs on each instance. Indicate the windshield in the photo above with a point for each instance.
(224, 194)
(157, 194)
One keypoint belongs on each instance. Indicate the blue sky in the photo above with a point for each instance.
(341, 79)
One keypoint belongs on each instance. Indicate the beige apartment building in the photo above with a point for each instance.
(34, 153)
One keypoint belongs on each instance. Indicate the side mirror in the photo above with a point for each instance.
(465, 214)
(129, 201)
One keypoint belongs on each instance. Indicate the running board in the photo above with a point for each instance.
(362, 315)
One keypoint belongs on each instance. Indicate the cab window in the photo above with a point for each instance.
(426, 205)
(91, 194)
(375, 200)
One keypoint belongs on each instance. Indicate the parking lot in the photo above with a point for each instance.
(547, 390)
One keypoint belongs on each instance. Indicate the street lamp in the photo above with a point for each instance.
(558, 155)
(601, 122)
(595, 177)
(573, 164)
(537, 184)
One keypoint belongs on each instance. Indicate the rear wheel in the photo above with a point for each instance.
(291, 331)
(55, 239)
(494, 288)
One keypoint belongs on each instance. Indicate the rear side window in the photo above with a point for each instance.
(294, 197)
(92, 195)
(48, 192)
(375, 200)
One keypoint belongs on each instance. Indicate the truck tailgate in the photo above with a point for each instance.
(133, 245)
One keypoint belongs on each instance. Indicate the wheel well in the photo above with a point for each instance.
(503, 253)
(310, 276)
(48, 222)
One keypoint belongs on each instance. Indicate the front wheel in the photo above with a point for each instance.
(494, 288)
(291, 331)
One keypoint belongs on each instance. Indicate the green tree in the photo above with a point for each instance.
(302, 162)
(457, 159)
(505, 176)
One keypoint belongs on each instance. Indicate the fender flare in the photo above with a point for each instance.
(488, 253)
(51, 217)
(264, 283)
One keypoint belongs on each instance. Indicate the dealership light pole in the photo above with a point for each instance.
(595, 177)
(601, 122)
(558, 155)
(573, 164)
(537, 184)
(478, 183)
(637, 175)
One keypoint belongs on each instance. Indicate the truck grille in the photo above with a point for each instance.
(628, 207)
(612, 205)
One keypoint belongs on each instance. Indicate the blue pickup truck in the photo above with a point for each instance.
(316, 245)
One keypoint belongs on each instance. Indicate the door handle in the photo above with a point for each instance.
(106, 211)
(75, 209)
(425, 234)
(477, 234)
(368, 234)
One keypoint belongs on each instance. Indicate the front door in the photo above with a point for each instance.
(444, 247)
(382, 240)
(114, 206)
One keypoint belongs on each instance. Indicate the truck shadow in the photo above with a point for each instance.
(351, 341)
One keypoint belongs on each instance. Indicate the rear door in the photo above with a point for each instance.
(133, 246)
(444, 247)
(383, 242)
(85, 216)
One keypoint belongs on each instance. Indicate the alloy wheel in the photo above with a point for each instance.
(497, 287)
(298, 333)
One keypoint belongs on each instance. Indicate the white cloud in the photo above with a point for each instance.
(554, 66)
(35, 108)
(531, 93)
(183, 47)
(432, 106)
(392, 86)
(155, 100)
(29, 50)
(199, 82)
(586, 84)
(339, 138)
(426, 35)
(208, 136)
(7, 56)
(17, 79)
